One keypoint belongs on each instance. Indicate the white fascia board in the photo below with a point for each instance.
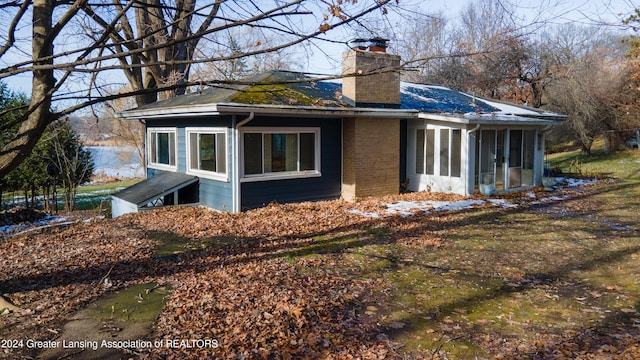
(185, 110)
(233, 108)
(316, 111)
(493, 119)
(452, 118)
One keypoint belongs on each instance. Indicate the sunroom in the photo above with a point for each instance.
(465, 154)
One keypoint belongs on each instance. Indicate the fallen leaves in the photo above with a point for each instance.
(274, 282)
(274, 308)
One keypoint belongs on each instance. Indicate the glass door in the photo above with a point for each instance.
(500, 160)
(515, 158)
(487, 157)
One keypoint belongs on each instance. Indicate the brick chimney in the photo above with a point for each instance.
(372, 77)
(371, 146)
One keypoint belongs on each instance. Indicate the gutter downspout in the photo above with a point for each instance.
(236, 160)
(474, 129)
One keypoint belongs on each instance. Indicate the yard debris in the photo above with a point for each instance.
(274, 282)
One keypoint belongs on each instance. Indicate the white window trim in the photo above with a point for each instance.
(437, 147)
(170, 130)
(204, 173)
(460, 148)
(280, 175)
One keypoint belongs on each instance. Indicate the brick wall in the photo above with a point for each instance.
(371, 147)
(371, 158)
(381, 87)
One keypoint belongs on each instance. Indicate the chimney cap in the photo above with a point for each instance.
(378, 41)
(376, 44)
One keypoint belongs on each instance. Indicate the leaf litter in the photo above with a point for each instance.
(311, 280)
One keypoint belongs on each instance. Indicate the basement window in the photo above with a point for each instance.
(280, 153)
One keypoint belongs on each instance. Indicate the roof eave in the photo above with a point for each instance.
(199, 110)
(158, 113)
(235, 108)
(496, 119)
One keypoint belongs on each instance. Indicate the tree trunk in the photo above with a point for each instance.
(39, 114)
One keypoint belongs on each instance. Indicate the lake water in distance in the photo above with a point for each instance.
(117, 161)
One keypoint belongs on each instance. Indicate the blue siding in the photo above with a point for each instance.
(212, 193)
(218, 194)
(328, 186)
(182, 152)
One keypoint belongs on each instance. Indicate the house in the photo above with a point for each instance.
(288, 137)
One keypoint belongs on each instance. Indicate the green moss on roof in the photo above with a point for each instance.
(279, 94)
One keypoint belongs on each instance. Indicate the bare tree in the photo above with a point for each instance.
(424, 44)
(591, 87)
(72, 160)
(239, 41)
(479, 52)
(124, 132)
(152, 41)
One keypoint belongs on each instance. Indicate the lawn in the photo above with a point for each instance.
(531, 275)
(88, 197)
(622, 164)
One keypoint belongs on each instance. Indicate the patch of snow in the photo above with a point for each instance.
(405, 208)
(364, 213)
(502, 203)
(576, 182)
(511, 108)
(410, 208)
(45, 222)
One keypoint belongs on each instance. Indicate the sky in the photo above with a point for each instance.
(586, 12)
(327, 60)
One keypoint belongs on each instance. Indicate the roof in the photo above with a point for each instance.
(292, 93)
(155, 187)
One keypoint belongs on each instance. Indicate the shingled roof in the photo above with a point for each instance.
(296, 91)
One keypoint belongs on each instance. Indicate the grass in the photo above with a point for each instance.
(141, 302)
(540, 281)
(541, 277)
(622, 164)
(93, 197)
(88, 197)
(532, 281)
(513, 274)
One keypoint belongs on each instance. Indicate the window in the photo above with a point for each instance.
(425, 151)
(444, 152)
(450, 152)
(207, 154)
(456, 152)
(285, 153)
(162, 149)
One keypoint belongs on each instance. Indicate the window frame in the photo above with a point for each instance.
(444, 154)
(172, 131)
(427, 151)
(215, 175)
(280, 175)
(455, 153)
